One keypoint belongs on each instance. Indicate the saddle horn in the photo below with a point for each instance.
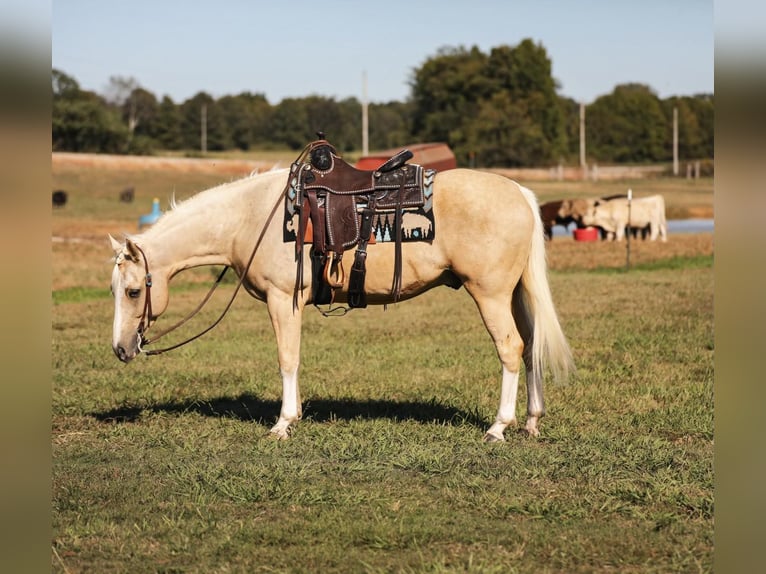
(395, 161)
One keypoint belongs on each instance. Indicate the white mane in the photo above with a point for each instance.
(207, 199)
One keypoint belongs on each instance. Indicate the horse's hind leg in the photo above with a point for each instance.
(496, 313)
(535, 401)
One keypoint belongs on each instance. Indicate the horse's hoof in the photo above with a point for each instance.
(489, 437)
(534, 433)
(279, 434)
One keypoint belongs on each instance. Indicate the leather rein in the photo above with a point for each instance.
(146, 315)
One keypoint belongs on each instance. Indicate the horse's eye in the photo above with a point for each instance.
(133, 293)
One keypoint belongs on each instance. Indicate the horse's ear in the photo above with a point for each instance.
(131, 250)
(116, 245)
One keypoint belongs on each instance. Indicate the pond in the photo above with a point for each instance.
(674, 226)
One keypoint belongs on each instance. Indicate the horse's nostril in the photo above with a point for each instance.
(121, 354)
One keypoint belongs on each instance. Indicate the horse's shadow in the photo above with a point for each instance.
(249, 408)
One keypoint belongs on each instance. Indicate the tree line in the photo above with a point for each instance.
(496, 109)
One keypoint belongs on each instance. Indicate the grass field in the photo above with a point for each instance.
(164, 465)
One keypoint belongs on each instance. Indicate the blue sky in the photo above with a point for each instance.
(296, 48)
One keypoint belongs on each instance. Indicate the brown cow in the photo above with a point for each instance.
(549, 213)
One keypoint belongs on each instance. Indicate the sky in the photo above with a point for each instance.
(297, 48)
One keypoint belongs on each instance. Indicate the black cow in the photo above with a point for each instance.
(59, 198)
(127, 194)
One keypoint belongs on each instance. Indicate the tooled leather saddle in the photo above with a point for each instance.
(335, 204)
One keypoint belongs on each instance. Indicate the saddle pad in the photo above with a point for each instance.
(418, 222)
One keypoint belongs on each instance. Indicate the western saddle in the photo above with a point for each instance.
(336, 204)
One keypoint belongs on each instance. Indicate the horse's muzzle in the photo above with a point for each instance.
(123, 355)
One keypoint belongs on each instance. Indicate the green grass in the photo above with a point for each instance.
(677, 262)
(163, 465)
(81, 294)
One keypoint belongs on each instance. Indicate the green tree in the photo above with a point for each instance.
(570, 114)
(203, 108)
(81, 121)
(703, 107)
(63, 85)
(524, 72)
(389, 125)
(166, 130)
(628, 125)
(119, 93)
(486, 105)
(350, 128)
(341, 122)
(446, 92)
(245, 115)
(290, 124)
(695, 125)
(140, 111)
(504, 133)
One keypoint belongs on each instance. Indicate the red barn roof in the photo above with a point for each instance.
(435, 155)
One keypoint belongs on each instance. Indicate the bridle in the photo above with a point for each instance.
(147, 316)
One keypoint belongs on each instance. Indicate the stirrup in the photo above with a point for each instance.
(340, 274)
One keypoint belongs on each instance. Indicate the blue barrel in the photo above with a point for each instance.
(150, 218)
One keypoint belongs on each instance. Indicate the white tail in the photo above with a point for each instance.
(549, 345)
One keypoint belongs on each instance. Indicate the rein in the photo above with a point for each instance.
(146, 316)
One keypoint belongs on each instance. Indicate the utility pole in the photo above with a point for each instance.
(675, 141)
(365, 126)
(203, 129)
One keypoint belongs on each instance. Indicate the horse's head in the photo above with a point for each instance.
(140, 296)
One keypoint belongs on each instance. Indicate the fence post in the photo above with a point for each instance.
(583, 164)
(628, 232)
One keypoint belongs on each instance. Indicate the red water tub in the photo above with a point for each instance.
(586, 234)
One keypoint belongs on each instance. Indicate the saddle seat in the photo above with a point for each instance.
(336, 175)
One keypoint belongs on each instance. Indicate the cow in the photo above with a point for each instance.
(59, 198)
(127, 194)
(549, 213)
(575, 209)
(616, 214)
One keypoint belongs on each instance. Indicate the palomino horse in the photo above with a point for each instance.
(489, 239)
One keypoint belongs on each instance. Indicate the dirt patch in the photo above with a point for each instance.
(129, 162)
(700, 212)
(565, 254)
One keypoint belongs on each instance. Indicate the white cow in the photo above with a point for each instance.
(614, 215)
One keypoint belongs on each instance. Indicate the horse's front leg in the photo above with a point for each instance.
(287, 327)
